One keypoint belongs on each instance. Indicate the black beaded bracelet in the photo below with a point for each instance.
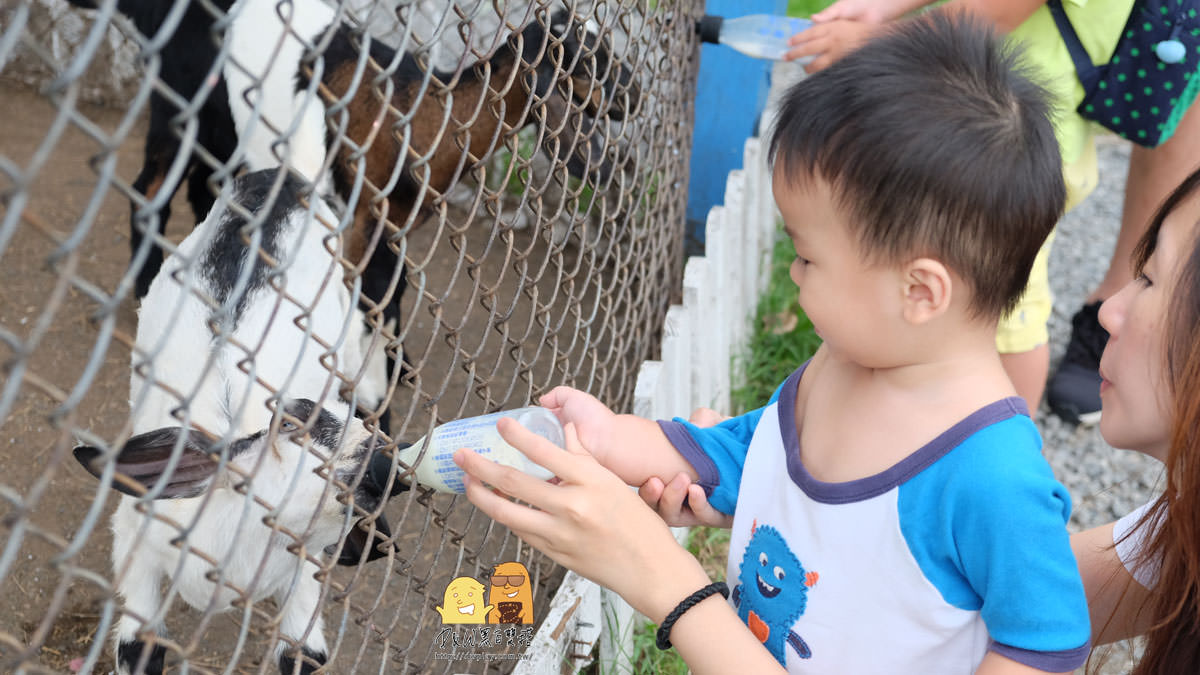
(662, 639)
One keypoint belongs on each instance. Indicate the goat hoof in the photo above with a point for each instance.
(131, 653)
(287, 664)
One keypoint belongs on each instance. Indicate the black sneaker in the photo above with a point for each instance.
(1074, 391)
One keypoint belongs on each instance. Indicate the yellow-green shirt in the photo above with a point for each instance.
(1098, 23)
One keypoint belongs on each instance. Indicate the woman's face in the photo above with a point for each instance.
(1134, 390)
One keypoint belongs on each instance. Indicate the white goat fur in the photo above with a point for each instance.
(174, 334)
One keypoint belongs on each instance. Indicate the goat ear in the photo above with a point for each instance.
(142, 460)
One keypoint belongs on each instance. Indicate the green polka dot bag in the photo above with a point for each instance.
(1152, 76)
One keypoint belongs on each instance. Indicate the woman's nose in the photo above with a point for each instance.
(1112, 311)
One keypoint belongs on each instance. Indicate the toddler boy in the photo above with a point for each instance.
(891, 508)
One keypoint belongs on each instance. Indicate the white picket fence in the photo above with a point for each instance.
(701, 339)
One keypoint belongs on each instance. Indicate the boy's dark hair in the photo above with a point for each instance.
(935, 142)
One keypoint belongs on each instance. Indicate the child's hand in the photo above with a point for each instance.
(590, 522)
(682, 503)
(828, 42)
(592, 419)
(868, 11)
(706, 417)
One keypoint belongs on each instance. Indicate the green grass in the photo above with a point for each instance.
(782, 339)
(806, 8)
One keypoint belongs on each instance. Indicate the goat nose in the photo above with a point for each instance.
(379, 471)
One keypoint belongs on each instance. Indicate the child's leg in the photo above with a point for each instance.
(1022, 339)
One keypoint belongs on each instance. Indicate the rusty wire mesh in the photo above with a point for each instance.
(545, 251)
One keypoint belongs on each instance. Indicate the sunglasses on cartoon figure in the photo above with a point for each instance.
(513, 580)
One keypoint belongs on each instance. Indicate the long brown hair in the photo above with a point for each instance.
(1173, 522)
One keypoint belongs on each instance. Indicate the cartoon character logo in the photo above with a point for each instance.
(511, 593)
(772, 592)
(463, 602)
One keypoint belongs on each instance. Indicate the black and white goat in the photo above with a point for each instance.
(224, 497)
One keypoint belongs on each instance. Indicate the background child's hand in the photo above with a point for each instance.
(830, 41)
(590, 522)
(869, 11)
(682, 503)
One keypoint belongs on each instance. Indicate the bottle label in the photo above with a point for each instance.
(438, 470)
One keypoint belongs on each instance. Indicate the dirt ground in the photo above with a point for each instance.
(65, 376)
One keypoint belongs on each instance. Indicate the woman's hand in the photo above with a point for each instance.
(682, 503)
(590, 522)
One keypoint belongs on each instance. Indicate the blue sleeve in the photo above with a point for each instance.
(717, 453)
(987, 524)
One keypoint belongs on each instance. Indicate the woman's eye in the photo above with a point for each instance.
(1144, 280)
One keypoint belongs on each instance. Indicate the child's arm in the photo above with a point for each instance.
(592, 523)
(681, 502)
(1001, 517)
(639, 450)
(634, 448)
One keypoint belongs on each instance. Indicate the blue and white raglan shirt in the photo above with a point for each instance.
(958, 549)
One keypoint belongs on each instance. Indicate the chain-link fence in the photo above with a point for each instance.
(480, 201)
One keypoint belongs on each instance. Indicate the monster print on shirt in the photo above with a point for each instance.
(772, 592)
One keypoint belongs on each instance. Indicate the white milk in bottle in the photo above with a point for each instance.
(437, 469)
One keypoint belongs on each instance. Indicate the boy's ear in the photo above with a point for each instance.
(928, 289)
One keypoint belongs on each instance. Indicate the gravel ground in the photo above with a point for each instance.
(1105, 483)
